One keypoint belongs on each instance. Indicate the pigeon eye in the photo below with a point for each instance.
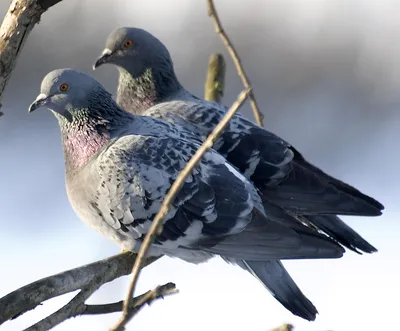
(128, 43)
(63, 87)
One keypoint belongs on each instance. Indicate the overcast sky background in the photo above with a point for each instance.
(327, 77)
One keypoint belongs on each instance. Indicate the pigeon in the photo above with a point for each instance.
(148, 86)
(119, 166)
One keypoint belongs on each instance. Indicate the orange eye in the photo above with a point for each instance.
(63, 87)
(128, 43)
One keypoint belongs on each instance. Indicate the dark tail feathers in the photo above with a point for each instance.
(372, 207)
(341, 232)
(279, 283)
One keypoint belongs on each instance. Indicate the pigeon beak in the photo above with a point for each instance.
(40, 101)
(103, 58)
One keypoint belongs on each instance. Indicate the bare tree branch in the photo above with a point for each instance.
(156, 226)
(21, 17)
(73, 308)
(215, 81)
(236, 59)
(28, 297)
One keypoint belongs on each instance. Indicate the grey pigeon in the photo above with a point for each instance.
(120, 166)
(148, 85)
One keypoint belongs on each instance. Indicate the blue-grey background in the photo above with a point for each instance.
(326, 75)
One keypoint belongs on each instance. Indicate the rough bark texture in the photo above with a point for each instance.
(21, 17)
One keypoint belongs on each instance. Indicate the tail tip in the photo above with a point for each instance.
(379, 208)
(309, 314)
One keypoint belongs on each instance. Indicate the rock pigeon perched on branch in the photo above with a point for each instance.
(120, 166)
(148, 85)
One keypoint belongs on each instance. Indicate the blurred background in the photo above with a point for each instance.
(327, 77)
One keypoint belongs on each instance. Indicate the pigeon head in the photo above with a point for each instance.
(79, 101)
(72, 95)
(134, 50)
(146, 71)
(87, 114)
(66, 91)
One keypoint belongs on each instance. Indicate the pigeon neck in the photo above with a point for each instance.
(85, 137)
(138, 93)
(81, 143)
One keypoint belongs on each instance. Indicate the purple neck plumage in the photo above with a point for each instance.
(81, 143)
(86, 130)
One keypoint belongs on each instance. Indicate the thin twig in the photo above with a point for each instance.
(78, 307)
(215, 81)
(236, 59)
(137, 303)
(156, 226)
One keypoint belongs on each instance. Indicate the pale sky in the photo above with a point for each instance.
(326, 75)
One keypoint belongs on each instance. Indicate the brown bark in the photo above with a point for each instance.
(21, 17)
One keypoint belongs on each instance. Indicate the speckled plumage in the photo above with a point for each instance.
(276, 168)
(119, 187)
(272, 164)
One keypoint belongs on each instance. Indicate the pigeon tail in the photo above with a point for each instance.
(341, 232)
(364, 205)
(273, 275)
(275, 237)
